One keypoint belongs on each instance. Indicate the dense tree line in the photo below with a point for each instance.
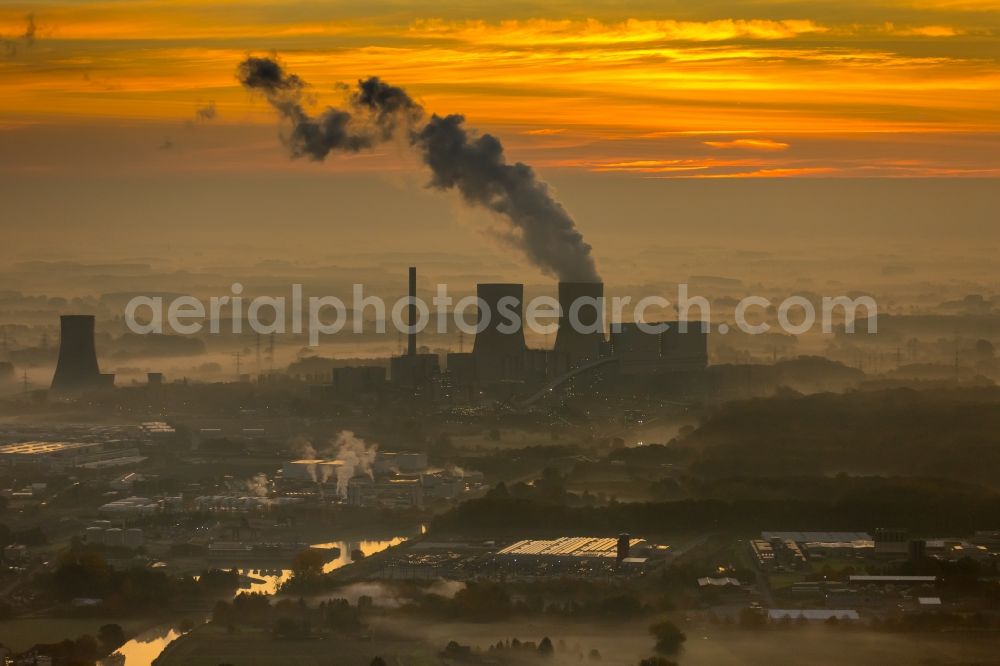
(83, 573)
(83, 650)
(932, 433)
(930, 511)
(287, 618)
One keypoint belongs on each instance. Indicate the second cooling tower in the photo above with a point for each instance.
(499, 347)
(581, 324)
(76, 369)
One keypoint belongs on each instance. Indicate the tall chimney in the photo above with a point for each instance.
(579, 345)
(496, 351)
(411, 343)
(77, 367)
(623, 548)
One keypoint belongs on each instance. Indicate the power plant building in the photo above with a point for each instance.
(68, 455)
(502, 366)
(656, 352)
(353, 380)
(316, 470)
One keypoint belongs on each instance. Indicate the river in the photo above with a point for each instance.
(147, 646)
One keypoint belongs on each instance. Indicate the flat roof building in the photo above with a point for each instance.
(826, 537)
(65, 455)
(568, 548)
(815, 615)
(892, 580)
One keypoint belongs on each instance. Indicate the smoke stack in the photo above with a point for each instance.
(498, 351)
(411, 346)
(624, 545)
(77, 368)
(575, 345)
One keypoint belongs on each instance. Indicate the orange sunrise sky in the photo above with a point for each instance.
(668, 89)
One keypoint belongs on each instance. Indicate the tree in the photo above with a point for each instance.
(309, 562)
(81, 574)
(657, 661)
(455, 650)
(668, 637)
(378, 661)
(85, 648)
(752, 618)
(483, 601)
(290, 628)
(545, 648)
(111, 637)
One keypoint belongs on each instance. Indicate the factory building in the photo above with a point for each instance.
(130, 506)
(68, 455)
(241, 503)
(571, 549)
(777, 554)
(352, 381)
(312, 470)
(394, 493)
(442, 485)
(158, 432)
(462, 368)
(580, 557)
(114, 536)
(403, 462)
(668, 351)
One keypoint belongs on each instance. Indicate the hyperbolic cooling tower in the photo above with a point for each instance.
(575, 345)
(77, 367)
(498, 352)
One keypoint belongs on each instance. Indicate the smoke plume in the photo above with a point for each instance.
(459, 159)
(303, 448)
(258, 485)
(356, 456)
